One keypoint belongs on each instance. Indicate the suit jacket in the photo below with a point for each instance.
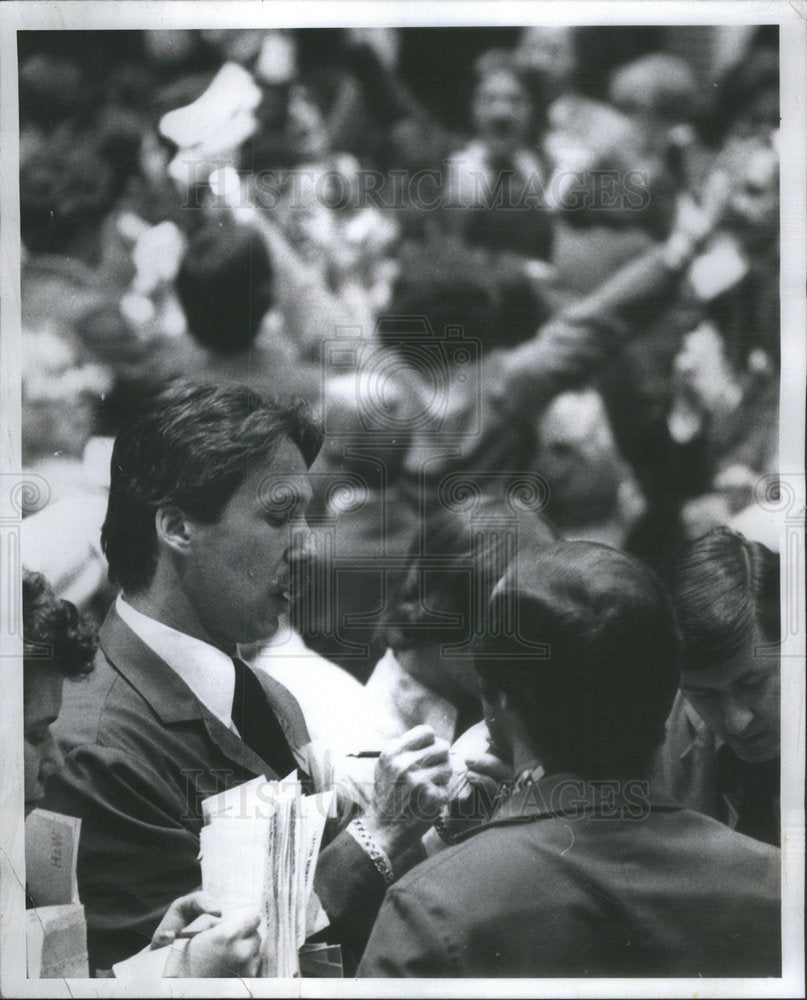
(141, 752)
(577, 879)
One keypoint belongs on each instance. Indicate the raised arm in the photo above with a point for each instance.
(574, 345)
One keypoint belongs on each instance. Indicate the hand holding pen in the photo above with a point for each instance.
(218, 946)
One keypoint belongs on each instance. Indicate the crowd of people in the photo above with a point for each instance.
(432, 426)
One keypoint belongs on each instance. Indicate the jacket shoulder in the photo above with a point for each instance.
(89, 703)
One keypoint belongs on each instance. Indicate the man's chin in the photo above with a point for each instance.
(260, 637)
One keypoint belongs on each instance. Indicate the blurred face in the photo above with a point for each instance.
(753, 210)
(739, 701)
(236, 572)
(548, 51)
(501, 111)
(42, 700)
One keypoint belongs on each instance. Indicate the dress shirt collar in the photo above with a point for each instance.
(207, 671)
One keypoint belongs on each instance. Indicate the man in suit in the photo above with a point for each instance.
(208, 489)
(583, 869)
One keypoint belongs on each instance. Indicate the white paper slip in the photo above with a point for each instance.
(56, 942)
(51, 855)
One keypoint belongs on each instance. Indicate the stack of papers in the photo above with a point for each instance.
(56, 931)
(259, 851)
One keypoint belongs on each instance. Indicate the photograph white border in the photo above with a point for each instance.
(791, 15)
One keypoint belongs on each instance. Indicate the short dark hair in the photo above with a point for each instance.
(723, 585)
(53, 630)
(224, 286)
(191, 445)
(596, 697)
(451, 284)
(452, 566)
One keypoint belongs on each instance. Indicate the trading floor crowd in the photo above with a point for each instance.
(400, 408)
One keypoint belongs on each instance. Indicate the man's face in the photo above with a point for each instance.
(501, 112)
(42, 700)
(739, 701)
(236, 575)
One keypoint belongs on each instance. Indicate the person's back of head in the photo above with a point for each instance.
(225, 287)
(582, 642)
(53, 631)
(451, 285)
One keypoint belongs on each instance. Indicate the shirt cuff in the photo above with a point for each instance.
(374, 851)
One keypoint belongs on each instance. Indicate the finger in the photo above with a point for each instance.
(440, 775)
(410, 765)
(414, 739)
(242, 925)
(432, 756)
(488, 765)
(181, 912)
(204, 922)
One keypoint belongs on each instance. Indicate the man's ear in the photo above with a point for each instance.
(173, 529)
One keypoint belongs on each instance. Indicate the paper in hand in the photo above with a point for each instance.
(258, 853)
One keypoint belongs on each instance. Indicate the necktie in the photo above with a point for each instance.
(258, 724)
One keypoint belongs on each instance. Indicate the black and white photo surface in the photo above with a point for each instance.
(402, 498)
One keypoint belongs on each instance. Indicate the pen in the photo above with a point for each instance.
(366, 754)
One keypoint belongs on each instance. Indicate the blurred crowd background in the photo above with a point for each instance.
(392, 215)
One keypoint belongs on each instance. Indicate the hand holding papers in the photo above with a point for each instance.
(258, 855)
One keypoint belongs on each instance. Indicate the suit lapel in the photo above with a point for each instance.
(168, 695)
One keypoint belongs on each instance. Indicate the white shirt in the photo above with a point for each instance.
(207, 671)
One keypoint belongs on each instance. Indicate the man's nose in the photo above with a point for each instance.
(737, 716)
(302, 546)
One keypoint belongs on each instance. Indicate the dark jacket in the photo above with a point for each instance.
(141, 753)
(572, 879)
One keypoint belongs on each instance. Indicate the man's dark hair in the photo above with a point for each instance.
(723, 586)
(53, 630)
(190, 446)
(452, 566)
(224, 286)
(595, 697)
(450, 284)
